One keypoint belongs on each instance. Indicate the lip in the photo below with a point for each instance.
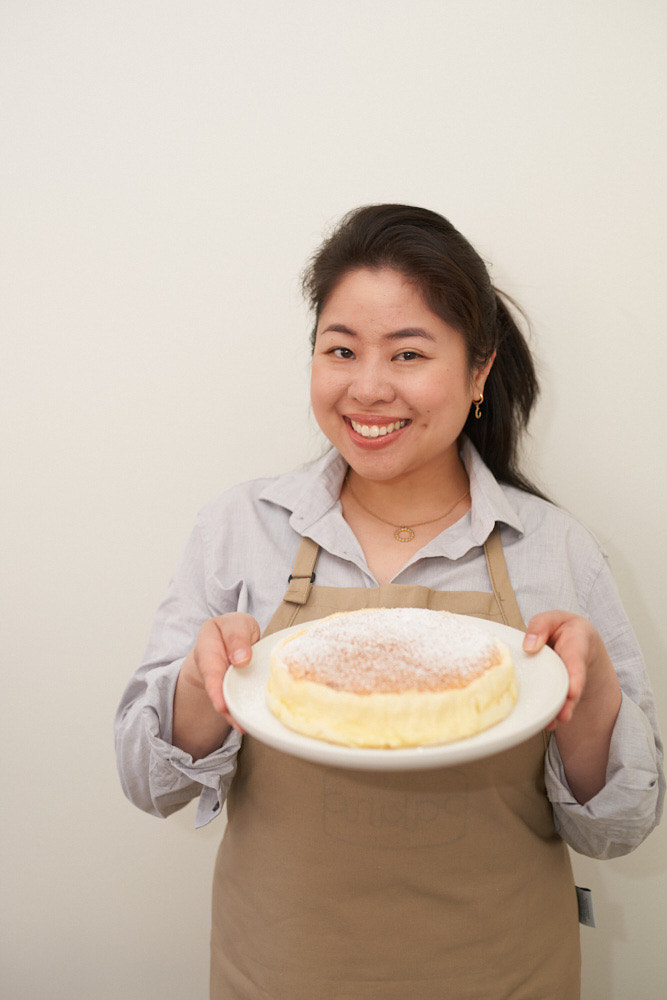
(369, 419)
(376, 443)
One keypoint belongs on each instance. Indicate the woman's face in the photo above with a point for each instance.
(390, 384)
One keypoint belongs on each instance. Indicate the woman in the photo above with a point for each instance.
(454, 882)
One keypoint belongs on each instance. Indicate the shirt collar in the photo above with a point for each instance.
(490, 503)
(311, 492)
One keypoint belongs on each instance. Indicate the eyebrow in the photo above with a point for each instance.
(409, 331)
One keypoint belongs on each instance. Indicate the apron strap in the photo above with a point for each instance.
(299, 585)
(302, 577)
(500, 580)
(503, 590)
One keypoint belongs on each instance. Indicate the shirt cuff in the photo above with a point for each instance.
(627, 808)
(173, 775)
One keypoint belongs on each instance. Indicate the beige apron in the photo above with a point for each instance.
(335, 884)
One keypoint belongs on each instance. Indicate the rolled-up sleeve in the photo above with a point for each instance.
(630, 804)
(627, 808)
(156, 776)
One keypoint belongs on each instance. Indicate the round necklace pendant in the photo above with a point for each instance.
(404, 534)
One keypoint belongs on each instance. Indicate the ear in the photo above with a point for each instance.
(482, 374)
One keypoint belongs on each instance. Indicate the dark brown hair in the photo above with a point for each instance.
(456, 286)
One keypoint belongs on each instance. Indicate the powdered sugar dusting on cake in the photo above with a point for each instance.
(391, 649)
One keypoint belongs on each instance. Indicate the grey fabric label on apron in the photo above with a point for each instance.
(585, 904)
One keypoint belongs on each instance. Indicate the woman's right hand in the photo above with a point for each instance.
(199, 703)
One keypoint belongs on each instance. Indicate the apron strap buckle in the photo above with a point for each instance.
(298, 589)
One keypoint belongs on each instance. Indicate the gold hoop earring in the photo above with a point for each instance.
(478, 403)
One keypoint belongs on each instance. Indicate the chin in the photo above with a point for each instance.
(375, 471)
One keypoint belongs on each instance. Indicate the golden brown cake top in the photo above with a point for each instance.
(389, 650)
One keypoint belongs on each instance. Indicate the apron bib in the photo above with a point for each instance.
(443, 884)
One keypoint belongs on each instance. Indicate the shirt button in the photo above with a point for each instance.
(216, 807)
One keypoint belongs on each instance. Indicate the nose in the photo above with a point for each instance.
(372, 383)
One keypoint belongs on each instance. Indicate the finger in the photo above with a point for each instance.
(238, 633)
(231, 720)
(541, 628)
(233, 723)
(212, 663)
(566, 711)
(575, 662)
(576, 668)
(573, 648)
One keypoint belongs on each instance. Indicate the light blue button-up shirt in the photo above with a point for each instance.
(239, 556)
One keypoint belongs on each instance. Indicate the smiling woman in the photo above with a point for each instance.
(422, 383)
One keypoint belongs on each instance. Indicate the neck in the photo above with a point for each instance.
(414, 495)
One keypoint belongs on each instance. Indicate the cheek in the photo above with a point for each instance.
(444, 397)
(315, 399)
(323, 389)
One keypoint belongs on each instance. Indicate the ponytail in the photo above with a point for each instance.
(510, 393)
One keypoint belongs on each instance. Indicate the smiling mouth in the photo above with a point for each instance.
(376, 430)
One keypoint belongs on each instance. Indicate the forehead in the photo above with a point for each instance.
(374, 294)
(380, 303)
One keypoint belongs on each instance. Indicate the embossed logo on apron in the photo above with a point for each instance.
(383, 817)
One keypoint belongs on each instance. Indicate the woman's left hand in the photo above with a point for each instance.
(580, 647)
(585, 723)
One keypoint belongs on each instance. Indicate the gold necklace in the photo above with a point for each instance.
(404, 532)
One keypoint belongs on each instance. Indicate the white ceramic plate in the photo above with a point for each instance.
(542, 679)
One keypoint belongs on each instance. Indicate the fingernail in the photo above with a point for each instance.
(240, 656)
(531, 641)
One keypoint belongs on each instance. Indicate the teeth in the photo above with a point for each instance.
(375, 430)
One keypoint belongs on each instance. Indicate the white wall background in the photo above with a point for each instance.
(167, 168)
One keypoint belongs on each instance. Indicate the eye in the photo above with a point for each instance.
(408, 355)
(341, 352)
